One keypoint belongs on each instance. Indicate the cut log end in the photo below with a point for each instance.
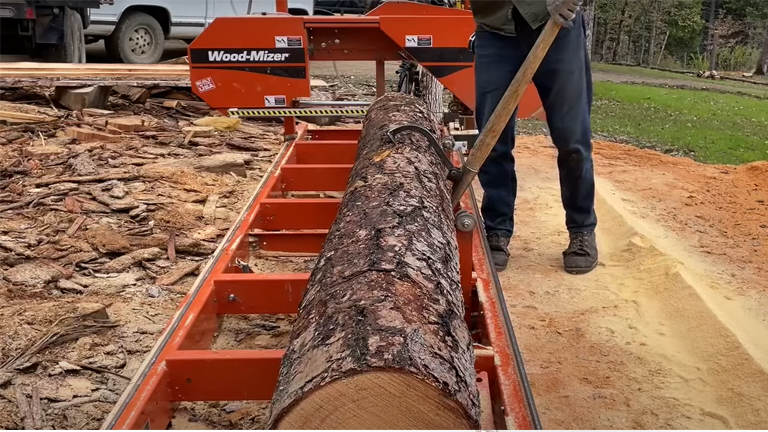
(365, 402)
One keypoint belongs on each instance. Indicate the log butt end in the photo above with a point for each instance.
(380, 400)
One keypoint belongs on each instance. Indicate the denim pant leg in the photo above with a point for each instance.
(497, 60)
(564, 82)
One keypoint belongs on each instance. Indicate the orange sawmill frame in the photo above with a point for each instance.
(182, 367)
(435, 37)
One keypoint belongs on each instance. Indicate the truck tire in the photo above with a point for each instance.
(72, 48)
(137, 38)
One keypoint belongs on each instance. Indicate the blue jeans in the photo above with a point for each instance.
(564, 83)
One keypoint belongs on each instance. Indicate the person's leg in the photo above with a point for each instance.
(497, 60)
(564, 82)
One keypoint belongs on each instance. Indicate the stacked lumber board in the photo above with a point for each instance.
(95, 70)
(22, 74)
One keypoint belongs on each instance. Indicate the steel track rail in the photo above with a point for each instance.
(510, 331)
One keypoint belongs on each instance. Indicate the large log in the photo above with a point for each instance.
(380, 341)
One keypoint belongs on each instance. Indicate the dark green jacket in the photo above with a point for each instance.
(496, 15)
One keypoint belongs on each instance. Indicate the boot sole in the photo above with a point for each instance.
(580, 270)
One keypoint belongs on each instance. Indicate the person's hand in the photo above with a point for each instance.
(564, 11)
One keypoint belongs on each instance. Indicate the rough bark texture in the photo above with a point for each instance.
(432, 93)
(589, 19)
(762, 62)
(384, 295)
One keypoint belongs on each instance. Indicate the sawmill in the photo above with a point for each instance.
(299, 220)
(401, 324)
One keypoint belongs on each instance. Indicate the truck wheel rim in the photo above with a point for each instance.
(140, 41)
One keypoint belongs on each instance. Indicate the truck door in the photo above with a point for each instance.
(223, 8)
(209, 14)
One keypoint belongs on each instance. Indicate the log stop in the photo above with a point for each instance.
(380, 340)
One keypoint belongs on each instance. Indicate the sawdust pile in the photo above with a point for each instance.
(669, 331)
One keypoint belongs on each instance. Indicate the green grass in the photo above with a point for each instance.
(710, 127)
(657, 77)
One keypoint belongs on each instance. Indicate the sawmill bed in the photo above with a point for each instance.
(193, 361)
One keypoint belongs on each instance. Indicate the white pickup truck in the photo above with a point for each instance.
(135, 31)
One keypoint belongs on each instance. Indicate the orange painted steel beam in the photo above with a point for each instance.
(306, 177)
(276, 214)
(181, 367)
(326, 152)
(240, 294)
(303, 241)
(193, 377)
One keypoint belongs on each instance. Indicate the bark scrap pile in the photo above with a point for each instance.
(117, 207)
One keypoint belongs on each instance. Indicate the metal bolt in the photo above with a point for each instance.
(323, 45)
(232, 298)
(466, 224)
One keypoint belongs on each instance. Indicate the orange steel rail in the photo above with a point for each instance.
(181, 367)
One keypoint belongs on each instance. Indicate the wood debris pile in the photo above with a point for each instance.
(119, 206)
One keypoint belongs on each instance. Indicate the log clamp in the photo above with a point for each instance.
(454, 172)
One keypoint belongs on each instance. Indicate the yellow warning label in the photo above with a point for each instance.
(297, 112)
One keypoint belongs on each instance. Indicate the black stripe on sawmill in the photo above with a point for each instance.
(246, 55)
(298, 72)
(444, 71)
(441, 55)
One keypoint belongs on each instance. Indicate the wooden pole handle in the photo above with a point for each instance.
(504, 110)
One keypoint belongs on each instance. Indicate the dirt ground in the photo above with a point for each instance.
(669, 332)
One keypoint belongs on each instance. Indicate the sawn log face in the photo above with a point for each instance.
(385, 291)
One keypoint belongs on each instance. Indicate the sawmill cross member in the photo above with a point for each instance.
(506, 31)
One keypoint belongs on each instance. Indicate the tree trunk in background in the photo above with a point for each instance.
(380, 340)
(589, 19)
(712, 36)
(762, 61)
(620, 32)
(432, 93)
(654, 22)
(713, 52)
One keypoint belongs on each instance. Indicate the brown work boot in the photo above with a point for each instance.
(499, 245)
(581, 255)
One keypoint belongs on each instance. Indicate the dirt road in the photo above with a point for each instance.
(670, 331)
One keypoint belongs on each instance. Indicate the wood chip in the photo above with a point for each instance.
(24, 410)
(23, 117)
(36, 409)
(137, 95)
(75, 226)
(176, 274)
(83, 179)
(72, 205)
(97, 112)
(172, 247)
(209, 210)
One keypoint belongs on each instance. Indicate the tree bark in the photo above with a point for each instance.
(620, 32)
(762, 62)
(380, 341)
(589, 22)
(432, 93)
